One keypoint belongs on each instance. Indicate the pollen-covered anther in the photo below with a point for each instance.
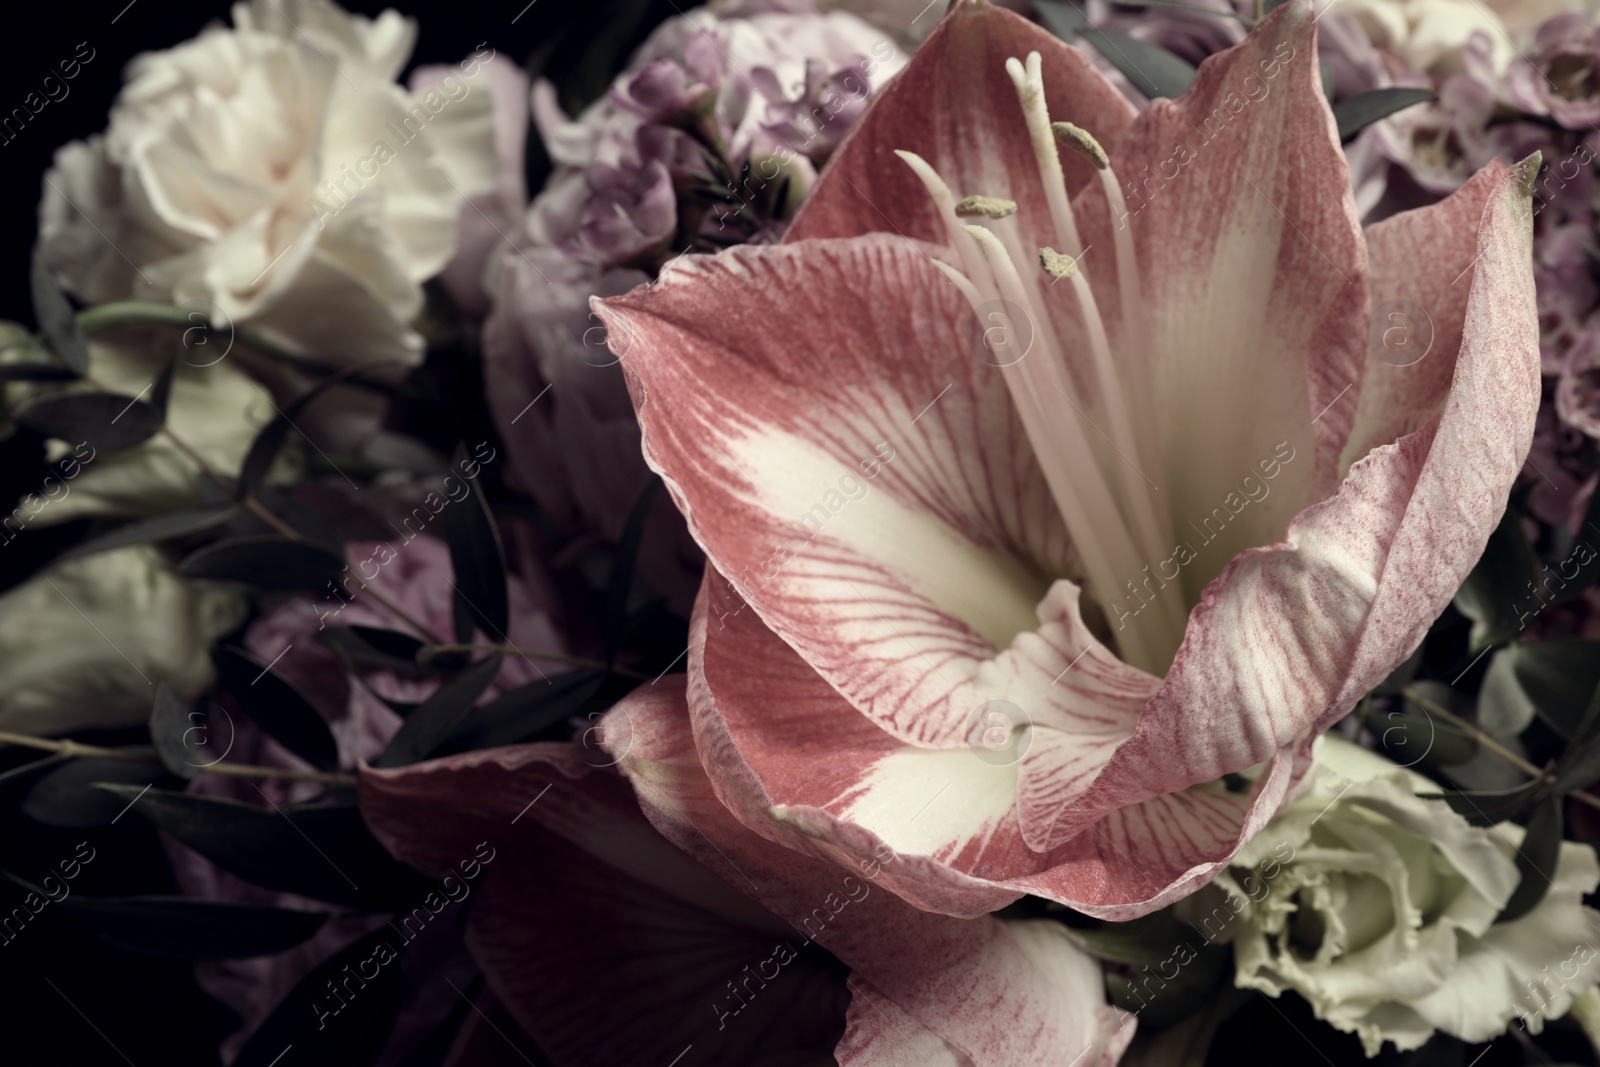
(1057, 265)
(1081, 141)
(985, 207)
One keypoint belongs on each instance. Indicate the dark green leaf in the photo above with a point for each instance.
(622, 566)
(57, 321)
(1356, 113)
(440, 715)
(107, 422)
(66, 797)
(1153, 70)
(1536, 860)
(1560, 677)
(1326, 69)
(327, 1031)
(479, 563)
(1580, 764)
(18, 776)
(1409, 737)
(269, 442)
(1485, 807)
(1496, 594)
(35, 372)
(516, 716)
(278, 707)
(1176, 5)
(1063, 19)
(322, 851)
(192, 929)
(161, 388)
(174, 730)
(1137, 942)
(266, 561)
(370, 648)
(159, 528)
(1581, 568)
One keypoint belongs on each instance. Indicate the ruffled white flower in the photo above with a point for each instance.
(276, 173)
(85, 644)
(1379, 908)
(1429, 35)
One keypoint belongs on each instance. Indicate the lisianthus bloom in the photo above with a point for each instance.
(1039, 502)
(1379, 906)
(1559, 77)
(730, 944)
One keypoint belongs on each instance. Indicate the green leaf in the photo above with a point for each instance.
(1153, 70)
(516, 716)
(1536, 860)
(174, 729)
(266, 561)
(1137, 942)
(277, 706)
(1065, 20)
(372, 648)
(621, 583)
(160, 528)
(1559, 677)
(66, 797)
(1355, 113)
(479, 562)
(1485, 807)
(440, 715)
(185, 927)
(107, 422)
(328, 1031)
(1501, 581)
(35, 372)
(57, 321)
(322, 851)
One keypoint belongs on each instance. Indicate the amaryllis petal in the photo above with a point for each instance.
(944, 108)
(1007, 994)
(1291, 636)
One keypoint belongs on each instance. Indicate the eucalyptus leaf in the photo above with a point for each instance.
(66, 796)
(173, 726)
(518, 715)
(322, 851)
(623, 562)
(159, 528)
(192, 929)
(436, 718)
(1409, 737)
(479, 563)
(328, 1031)
(57, 321)
(108, 422)
(1153, 70)
(1559, 677)
(1485, 807)
(35, 372)
(1536, 860)
(266, 561)
(372, 648)
(277, 706)
(1355, 113)
(1065, 20)
(1499, 584)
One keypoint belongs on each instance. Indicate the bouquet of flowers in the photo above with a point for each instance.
(1046, 534)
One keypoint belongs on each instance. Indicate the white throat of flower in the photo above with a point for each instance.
(1117, 519)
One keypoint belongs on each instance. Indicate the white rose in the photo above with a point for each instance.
(84, 644)
(1429, 35)
(1378, 907)
(276, 173)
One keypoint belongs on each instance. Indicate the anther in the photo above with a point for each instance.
(987, 207)
(1081, 141)
(1057, 265)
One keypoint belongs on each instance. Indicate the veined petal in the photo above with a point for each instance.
(1290, 636)
(1002, 994)
(857, 472)
(955, 106)
(1252, 313)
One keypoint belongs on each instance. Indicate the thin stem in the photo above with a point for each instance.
(428, 652)
(1478, 734)
(77, 750)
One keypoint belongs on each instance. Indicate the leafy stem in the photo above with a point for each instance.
(78, 750)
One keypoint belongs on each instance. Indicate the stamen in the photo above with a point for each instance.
(1030, 92)
(961, 281)
(1057, 265)
(1081, 141)
(986, 207)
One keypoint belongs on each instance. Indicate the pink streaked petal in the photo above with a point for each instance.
(1290, 636)
(955, 106)
(1253, 288)
(1000, 995)
(1422, 263)
(866, 485)
(878, 1033)
(787, 752)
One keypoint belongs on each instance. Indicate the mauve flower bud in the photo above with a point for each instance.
(1558, 78)
(628, 211)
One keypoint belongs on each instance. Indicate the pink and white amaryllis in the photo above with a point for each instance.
(1108, 437)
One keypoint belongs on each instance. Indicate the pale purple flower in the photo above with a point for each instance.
(1561, 76)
